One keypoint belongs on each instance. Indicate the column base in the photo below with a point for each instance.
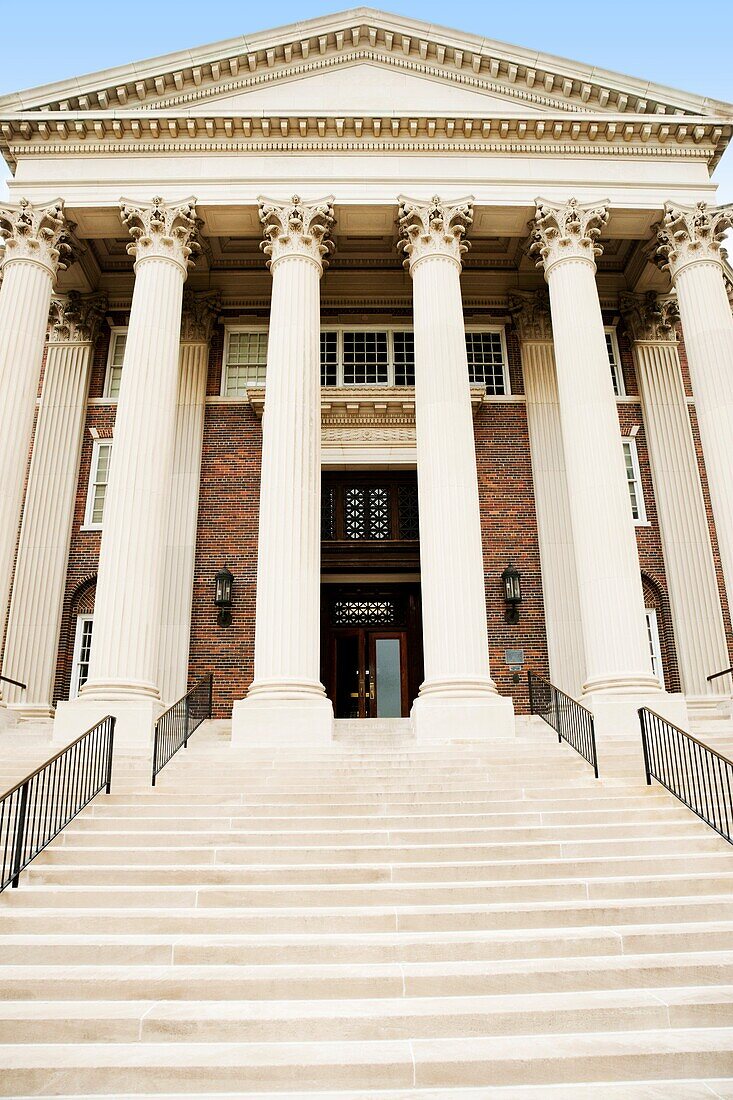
(286, 714)
(31, 712)
(484, 716)
(617, 729)
(136, 720)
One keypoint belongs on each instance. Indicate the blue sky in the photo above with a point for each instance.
(686, 45)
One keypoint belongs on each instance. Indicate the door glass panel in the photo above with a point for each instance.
(347, 676)
(389, 680)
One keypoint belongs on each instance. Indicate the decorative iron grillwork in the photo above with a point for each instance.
(361, 611)
(367, 512)
(408, 510)
(328, 512)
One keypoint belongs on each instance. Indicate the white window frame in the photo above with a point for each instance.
(617, 372)
(89, 524)
(81, 620)
(229, 330)
(655, 648)
(115, 332)
(389, 329)
(641, 520)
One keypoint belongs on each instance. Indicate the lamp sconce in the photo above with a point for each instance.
(511, 580)
(223, 583)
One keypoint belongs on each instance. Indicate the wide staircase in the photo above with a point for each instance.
(376, 918)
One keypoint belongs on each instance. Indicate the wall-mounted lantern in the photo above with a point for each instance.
(511, 579)
(223, 583)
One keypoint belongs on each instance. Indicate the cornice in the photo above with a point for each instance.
(362, 32)
(364, 406)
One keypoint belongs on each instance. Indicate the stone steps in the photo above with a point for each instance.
(373, 920)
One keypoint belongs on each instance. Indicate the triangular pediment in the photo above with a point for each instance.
(363, 88)
(395, 63)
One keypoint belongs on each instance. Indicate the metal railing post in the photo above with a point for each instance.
(20, 835)
(644, 746)
(112, 724)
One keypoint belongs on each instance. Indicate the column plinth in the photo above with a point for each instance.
(619, 677)
(689, 247)
(458, 697)
(286, 701)
(124, 669)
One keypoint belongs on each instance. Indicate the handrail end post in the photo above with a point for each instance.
(644, 747)
(112, 724)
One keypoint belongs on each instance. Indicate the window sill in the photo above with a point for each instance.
(91, 527)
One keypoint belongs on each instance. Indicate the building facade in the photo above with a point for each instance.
(421, 342)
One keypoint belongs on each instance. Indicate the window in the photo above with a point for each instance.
(633, 477)
(485, 351)
(365, 358)
(655, 650)
(117, 342)
(245, 361)
(98, 479)
(404, 358)
(615, 360)
(82, 650)
(378, 508)
(329, 358)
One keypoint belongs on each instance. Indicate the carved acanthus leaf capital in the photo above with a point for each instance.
(651, 317)
(199, 313)
(162, 230)
(297, 228)
(567, 231)
(687, 234)
(433, 228)
(38, 233)
(75, 318)
(530, 312)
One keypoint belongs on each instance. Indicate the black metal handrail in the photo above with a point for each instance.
(700, 777)
(571, 721)
(715, 675)
(15, 683)
(175, 725)
(35, 810)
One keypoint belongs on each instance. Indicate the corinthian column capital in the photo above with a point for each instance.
(75, 318)
(162, 230)
(434, 228)
(199, 313)
(297, 228)
(567, 231)
(36, 233)
(688, 234)
(650, 317)
(530, 312)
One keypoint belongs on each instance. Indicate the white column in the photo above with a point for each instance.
(199, 311)
(531, 314)
(619, 676)
(31, 644)
(458, 698)
(694, 599)
(123, 671)
(286, 701)
(35, 249)
(689, 247)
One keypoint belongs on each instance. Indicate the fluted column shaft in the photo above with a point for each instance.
(552, 503)
(615, 641)
(33, 254)
(181, 524)
(455, 637)
(31, 645)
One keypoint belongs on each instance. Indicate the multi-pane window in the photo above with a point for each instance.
(245, 362)
(329, 358)
(655, 650)
(117, 342)
(485, 351)
(98, 479)
(633, 477)
(82, 650)
(404, 358)
(614, 360)
(365, 358)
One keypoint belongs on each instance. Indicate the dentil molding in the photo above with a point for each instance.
(567, 231)
(36, 232)
(75, 318)
(650, 317)
(688, 234)
(433, 228)
(297, 228)
(162, 230)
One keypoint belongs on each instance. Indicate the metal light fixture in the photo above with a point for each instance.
(223, 583)
(511, 579)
